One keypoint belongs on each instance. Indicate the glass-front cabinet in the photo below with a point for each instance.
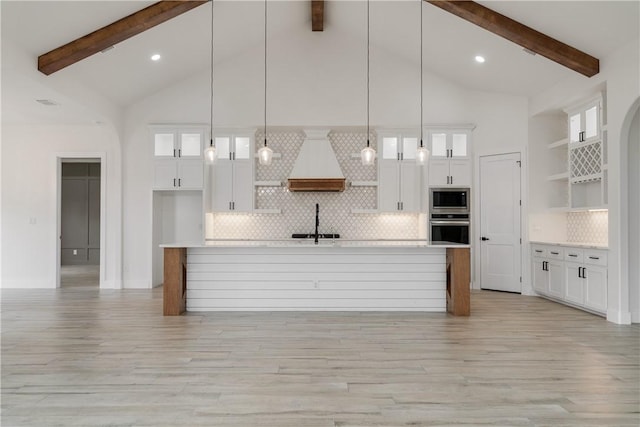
(177, 154)
(232, 174)
(450, 163)
(398, 174)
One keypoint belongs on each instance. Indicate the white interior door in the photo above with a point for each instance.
(500, 246)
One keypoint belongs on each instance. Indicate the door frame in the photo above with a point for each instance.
(525, 269)
(89, 156)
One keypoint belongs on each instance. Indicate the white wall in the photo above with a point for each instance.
(619, 72)
(29, 199)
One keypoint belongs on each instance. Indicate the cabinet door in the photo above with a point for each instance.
(540, 276)
(438, 145)
(165, 174)
(438, 173)
(190, 144)
(595, 296)
(223, 185)
(410, 186)
(556, 278)
(460, 172)
(164, 144)
(388, 185)
(574, 291)
(242, 186)
(459, 145)
(190, 174)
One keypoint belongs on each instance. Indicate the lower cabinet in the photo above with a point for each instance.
(575, 276)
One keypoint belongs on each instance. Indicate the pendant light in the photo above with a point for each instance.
(210, 154)
(368, 154)
(265, 154)
(422, 155)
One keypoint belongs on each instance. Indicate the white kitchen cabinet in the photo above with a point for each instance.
(573, 275)
(399, 176)
(450, 162)
(585, 121)
(177, 153)
(232, 174)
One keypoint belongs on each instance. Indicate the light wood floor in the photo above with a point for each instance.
(83, 357)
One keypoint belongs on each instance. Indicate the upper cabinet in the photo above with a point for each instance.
(232, 174)
(450, 163)
(398, 173)
(177, 153)
(585, 124)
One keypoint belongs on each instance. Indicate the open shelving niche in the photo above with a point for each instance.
(578, 173)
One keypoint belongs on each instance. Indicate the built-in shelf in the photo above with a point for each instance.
(558, 176)
(275, 155)
(586, 178)
(268, 183)
(268, 211)
(365, 211)
(364, 183)
(560, 143)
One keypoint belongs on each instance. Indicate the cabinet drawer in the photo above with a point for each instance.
(573, 255)
(595, 257)
(555, 253)
(539, 251)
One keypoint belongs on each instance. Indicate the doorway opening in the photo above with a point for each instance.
(80, 260)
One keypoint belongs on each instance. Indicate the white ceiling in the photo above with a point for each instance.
(125, 74)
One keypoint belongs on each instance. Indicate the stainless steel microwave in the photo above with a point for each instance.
(449, 200)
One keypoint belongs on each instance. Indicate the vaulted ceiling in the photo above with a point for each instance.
(125, 74)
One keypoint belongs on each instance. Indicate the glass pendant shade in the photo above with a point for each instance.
(210, 154)
(368, 156)
(265, 155)
(422, 155)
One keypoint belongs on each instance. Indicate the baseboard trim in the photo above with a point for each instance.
(619, 317)
(27, 284)
(137, 284)
(635, 317)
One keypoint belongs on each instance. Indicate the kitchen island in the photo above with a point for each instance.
(289, 275)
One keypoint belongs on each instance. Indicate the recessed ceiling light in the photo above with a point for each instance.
(480, 59)
(155, 57)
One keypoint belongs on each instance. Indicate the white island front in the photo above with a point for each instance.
(301, 275)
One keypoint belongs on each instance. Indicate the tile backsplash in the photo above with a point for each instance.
(298, 209)
(588, 227)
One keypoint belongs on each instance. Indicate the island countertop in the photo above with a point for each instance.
(324, 243)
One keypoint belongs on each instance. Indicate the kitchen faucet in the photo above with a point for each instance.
(315, 235)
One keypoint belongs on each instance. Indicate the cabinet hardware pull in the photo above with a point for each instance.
(179, 152)
(452, 179)
(174, 182)
(179, 182)
(555, 253)
(594, 257)
(174, 152)
(573, 255)
(538, 251)
(584, 272)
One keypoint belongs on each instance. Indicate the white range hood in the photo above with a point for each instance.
(316, 168)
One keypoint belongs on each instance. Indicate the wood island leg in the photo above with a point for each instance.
(458, 281)
(175, 281)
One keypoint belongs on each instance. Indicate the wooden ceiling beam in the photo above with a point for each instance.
(317, 15)
(113, 34)
(522, 35)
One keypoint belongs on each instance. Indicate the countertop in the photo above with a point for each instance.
(325, 243)
(573, 244)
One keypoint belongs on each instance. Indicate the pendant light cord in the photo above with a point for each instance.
(265, 73)
(368, 54)
(211, 101)
(421, 78)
